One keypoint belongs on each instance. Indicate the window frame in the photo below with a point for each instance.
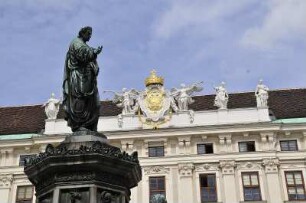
(150, 190)
(246, 142)
(156, 147)
(289, 150)
(24, 198)
(205, 144)
(295, 185)
(249, 174)
(216, 189)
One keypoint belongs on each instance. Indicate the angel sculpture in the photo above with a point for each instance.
(125, 99)
(183, 95)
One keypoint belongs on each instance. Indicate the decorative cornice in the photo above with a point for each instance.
(249, 165)
(207, 167)
(185, 169)
(271, 165)
(156, 170)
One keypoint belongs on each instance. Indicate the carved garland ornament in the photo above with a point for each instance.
(156, 170)
(6, 180)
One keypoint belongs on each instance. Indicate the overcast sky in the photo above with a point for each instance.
(236, 41)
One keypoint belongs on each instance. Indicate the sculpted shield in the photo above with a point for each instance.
(154, 103)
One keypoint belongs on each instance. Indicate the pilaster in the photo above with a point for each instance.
(274, 187)
(5, 187)
(186, 181)
(229, 183)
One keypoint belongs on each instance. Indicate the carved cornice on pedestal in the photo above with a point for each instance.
(186, 169)
(184, 141)
(271, 165)
(6, 180)
(267, 136)
(228, 166)
(225, 139)
(156, 170)
(127, 144)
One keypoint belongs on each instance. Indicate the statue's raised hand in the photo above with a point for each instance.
(98, 50)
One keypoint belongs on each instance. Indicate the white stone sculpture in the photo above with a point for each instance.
(183, 95)
(261, 94)
(52, 107)
(221, 98)
(125, 100)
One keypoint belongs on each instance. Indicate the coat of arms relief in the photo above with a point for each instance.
(155, 105)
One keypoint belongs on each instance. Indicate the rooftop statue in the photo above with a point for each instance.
(183, 95)
(261, 94)
(221, 98)
(80, 93)
(52, 107)
(125, 100)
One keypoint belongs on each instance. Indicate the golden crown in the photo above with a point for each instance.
(154, 79)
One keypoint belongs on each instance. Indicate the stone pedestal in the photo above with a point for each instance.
(83, 169)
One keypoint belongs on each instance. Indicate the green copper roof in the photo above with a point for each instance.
(290, 120)
(17, 136)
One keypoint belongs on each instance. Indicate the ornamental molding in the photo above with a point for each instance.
(156, 170)
(271, 165)
(206, 167)
(186, 169)
(249, 165)
(228, 166)
(6, 180)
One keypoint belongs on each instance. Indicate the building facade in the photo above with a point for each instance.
(240, 153)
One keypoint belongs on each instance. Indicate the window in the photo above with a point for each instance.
(208, 188)
(251, 188)
(288, 145)
(247, 146)
(22, 158)
(24, 194)
(295, 185)
(156, 151)
(205, 148)
(157, 186)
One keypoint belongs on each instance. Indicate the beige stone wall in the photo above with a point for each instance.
(182, 166)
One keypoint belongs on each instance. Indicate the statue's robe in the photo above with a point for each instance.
(80, 93)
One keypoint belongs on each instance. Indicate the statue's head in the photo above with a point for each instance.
(124, 89)
(52, 95)
(183, 85)
(260, 81)
(223, 84)
(85, 33)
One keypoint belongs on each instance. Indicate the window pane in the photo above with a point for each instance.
(290, 180)
(246, 180)
(292, 145)
(298, 178)
(242, 147)
(254, 179)
(201, 149)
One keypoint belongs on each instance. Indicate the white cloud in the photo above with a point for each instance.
(284, 23)
(186, 14)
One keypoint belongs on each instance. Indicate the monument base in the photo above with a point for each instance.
(83, 169)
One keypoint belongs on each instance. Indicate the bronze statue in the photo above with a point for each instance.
(80, 93)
